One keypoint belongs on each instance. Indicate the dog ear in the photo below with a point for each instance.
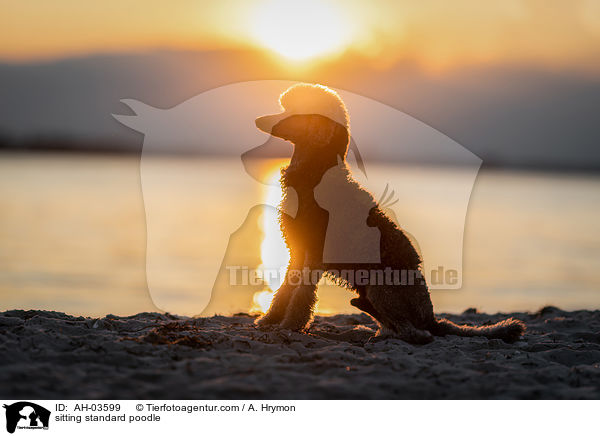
(357, 156)
(340, 161)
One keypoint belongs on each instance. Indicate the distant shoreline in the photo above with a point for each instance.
(128, 149)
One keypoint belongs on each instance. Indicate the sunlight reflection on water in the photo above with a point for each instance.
(73, 237)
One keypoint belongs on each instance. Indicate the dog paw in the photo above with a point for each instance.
(421, 337)
(416, 337)
(374, 339)
(382, 334)
(265, 321)
(292, 324)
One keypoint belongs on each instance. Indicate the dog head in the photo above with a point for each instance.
(314, 119)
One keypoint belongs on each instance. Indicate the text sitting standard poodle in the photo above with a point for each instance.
(316, 122)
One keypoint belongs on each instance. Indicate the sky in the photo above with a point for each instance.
(437, 34)
(515, 81)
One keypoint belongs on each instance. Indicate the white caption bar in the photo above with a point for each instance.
(151, 417)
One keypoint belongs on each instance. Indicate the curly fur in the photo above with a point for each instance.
(304, 98)
(320, 145)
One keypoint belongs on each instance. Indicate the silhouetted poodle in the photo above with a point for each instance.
(316, 122)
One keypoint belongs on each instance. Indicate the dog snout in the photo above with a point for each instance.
(267, 122)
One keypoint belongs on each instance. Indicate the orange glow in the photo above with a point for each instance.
(274, 253)
(437, 34)
(261, 301)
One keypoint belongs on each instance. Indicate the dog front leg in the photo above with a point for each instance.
(300, 310)
(282, 298)
(278, 307)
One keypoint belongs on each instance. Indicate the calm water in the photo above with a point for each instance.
(73, 234)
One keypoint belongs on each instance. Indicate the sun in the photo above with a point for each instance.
(300, 30)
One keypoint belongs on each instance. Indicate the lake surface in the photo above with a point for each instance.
(73, 232)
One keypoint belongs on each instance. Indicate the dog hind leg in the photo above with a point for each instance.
(392, 315)
(365, 305)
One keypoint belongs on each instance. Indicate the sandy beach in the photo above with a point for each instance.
(151, 355)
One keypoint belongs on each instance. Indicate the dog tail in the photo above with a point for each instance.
(509, 330)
